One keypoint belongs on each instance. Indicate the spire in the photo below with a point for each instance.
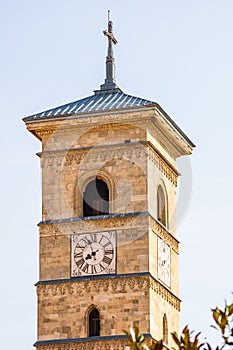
(109, 84)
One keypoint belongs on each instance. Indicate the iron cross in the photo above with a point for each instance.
(109, 33)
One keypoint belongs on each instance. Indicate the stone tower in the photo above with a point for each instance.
(108, 256)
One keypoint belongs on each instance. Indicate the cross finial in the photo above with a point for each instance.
(110, 76)
(111, 38)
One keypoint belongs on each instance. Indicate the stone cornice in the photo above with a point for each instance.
(91, 116)
(168, 137)
(79, 124)
(115, 284)
(68, 226)
(166, 131)
(93, 278)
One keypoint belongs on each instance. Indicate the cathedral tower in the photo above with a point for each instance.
(108, 247)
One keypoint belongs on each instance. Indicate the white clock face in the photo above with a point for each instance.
(93, 254)
(164, 256)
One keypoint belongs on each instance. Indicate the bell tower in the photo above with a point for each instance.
(108, 247)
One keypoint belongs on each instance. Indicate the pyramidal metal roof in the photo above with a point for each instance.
(104, 101)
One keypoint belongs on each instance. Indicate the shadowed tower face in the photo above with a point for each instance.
(108, 247)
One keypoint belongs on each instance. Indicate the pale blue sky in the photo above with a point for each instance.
(177, 53)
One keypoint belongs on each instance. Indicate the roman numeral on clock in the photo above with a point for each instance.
(78, 255)
(107, 260)
(102, 268)
(85, 240)
(109, 252)
(80, 263)
(101, 239)
(93, 269)
(85, 268)
(93, 238)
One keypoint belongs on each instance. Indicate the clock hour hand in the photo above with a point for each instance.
(94, 254)
(88, 257)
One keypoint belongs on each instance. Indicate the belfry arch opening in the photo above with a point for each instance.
(96, 198)
(94, 323)
(161, 206)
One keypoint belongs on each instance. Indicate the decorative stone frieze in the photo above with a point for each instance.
(119, 285)
(170, 173)
(42, 133)
(165, 294)
(111, 285)
(134, 152)
(88, 345)
(159, 230)
(96, 155)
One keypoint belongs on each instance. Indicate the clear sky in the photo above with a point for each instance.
(177, 53)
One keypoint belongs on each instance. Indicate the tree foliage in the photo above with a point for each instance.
(137, 341)
(223, 322)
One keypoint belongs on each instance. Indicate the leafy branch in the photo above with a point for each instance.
(187, 340)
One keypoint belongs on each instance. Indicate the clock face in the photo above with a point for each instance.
(164, 256)
(93, 254)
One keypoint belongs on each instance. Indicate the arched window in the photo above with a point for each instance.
(94, 323)
(96, 198)
(161, 206)
(165, 329)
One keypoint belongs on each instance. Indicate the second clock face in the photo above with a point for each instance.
(93, 254)
(164, 256)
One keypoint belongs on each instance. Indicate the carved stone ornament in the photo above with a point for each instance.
(135, 152)
(88, 345)
(111, 285)
(170, 173)
(160, 231)
(165, 293)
